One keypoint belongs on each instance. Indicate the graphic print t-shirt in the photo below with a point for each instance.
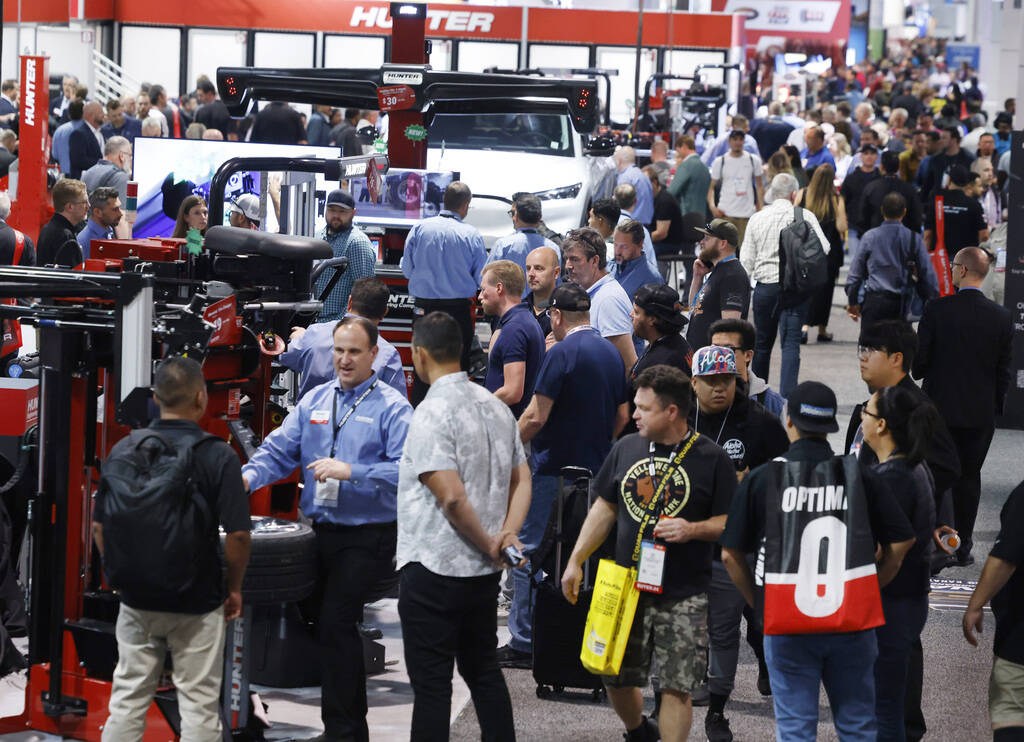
(700, 488)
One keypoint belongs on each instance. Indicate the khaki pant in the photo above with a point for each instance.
(196, 642)
(740, 222)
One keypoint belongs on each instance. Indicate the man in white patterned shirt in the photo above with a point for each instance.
(463, 494)
(759, 256)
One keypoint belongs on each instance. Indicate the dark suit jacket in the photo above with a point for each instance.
(964, 357)
(7, 107)
(85, 150)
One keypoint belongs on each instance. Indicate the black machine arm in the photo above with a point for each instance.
(434, 91)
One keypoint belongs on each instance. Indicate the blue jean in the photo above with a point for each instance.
(904, 621)
(770, 320)
(799, 664)
(520, 614)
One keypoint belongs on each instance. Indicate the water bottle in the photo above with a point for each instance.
(951, 541)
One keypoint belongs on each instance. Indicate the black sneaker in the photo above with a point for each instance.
(647, 732)
(716, 727)
(764, 682)
(508, 657)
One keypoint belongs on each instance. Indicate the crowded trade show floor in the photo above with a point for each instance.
(956, 674)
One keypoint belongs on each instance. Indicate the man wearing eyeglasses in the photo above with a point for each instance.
(887, 350)
(57, 244)
(610, 306)
(964, 360)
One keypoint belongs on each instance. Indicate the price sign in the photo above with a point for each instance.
(395, 98)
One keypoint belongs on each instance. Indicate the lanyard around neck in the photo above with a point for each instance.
(334, 407)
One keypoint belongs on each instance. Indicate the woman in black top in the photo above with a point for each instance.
(821, 199)
(898, 429)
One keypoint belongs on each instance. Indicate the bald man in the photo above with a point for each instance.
(86, 142)
(543, 270)
(964, 358)
(625, 163)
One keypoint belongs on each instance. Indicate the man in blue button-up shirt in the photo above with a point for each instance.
(442, 259)
(104, 214)
(625, 163)
(311, 350)
(347, 435)
(526, 217)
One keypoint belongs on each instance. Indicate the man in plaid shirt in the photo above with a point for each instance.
(346, 241)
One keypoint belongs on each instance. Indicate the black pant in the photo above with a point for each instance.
(972, 447)
(449, 620)
(353, 559)
(462, 311)
(879, 305)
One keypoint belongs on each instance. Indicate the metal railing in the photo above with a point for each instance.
(109, 78)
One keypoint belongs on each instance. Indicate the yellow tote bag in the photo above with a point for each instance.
(610, 618)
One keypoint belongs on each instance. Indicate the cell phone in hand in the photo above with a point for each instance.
(512, 555)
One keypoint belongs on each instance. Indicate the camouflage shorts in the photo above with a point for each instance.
(676, 633)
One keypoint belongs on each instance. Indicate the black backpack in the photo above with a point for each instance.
(157, 525)
(803, 263)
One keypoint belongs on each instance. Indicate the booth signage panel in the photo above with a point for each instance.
(1013, 408)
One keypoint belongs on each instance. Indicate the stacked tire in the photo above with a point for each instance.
(282, 562)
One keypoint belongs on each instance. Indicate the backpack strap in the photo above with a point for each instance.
(19, 247)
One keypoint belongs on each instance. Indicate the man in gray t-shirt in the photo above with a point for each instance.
(463, 494)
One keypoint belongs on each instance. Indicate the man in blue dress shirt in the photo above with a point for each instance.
(631, 268)
(347, 436)
(104, 214)
(119, 123)
(310, 350)
(625, 163)
(443, 258)
(526, 218)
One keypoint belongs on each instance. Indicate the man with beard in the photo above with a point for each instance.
(720, 287)
(346, 241)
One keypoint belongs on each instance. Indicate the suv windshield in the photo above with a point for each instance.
(533, 133)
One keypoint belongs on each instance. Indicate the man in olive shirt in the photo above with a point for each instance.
(692, 178)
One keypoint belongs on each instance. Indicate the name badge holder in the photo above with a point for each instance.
(326, 494)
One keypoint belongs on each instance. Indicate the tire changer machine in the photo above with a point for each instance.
(101, 330)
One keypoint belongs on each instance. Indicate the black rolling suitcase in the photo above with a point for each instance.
(557, 624)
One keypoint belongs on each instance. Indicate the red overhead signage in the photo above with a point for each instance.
(824, 21)
(370, 17)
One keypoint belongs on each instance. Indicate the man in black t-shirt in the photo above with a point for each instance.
(667, 226)
(876, 191)
(1003, 584)
(853, 188)
(657, 318)
(963, 217)
(677, 512)
(751, 436)
(192, 625)
(941, 164)
(278, 123)
(720, 287)
(844, 662)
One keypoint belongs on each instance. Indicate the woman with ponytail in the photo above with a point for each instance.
(898, 429)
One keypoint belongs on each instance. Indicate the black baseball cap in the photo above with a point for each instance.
(661, 301)
(570, 297)
(812, 408)
(338, 197)
(869, 148)
(959, 176)
(723, 229)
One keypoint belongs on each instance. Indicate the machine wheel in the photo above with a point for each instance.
(543, 691)
(282, 562)
(597, 694)
(559, 689)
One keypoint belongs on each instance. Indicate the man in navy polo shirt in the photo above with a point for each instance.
(517, 345)
(578, 407)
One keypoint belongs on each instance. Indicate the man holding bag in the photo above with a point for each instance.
(669, 490)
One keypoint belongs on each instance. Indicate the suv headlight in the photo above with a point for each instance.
(556, 193)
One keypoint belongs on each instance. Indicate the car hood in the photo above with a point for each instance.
(502, 173)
